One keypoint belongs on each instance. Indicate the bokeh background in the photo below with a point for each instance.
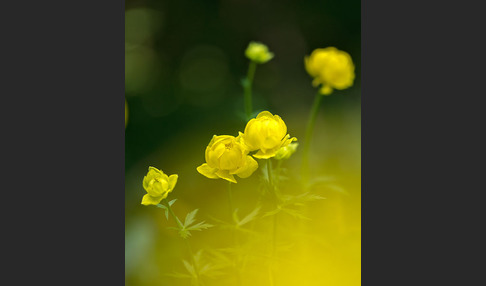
(184, 61)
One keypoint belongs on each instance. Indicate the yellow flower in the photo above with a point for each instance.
(225, 157)
(258, 53)
(266, 133)
(286, 152)
(158, 185)
(332, 68)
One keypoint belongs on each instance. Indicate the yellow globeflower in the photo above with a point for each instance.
(266, 133)
(287, 151)
(258, 53)
(225, 157)
(332, 68)
(158, 185)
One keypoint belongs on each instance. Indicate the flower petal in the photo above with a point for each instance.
(267, 155)
(172, 181)
(207, 171)
(224, 174)
(250, 167)
(149, 200)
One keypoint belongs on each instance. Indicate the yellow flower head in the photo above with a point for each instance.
(332, 68)
(266, 133)
(158, 185)
(258, 53)
(287, 151)
(225, 157)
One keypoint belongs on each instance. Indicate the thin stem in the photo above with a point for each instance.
(270, 173)
(274, 247)
(235, 241)
(308, 136)
(179, 223)
(230, 201)
(274, 229)
(247, 89)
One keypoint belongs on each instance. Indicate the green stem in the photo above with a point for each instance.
(308, 136)
(247, 89)
(230, 201)
(188, 245)
(270, 174)
(179, 223)
(235, 240)
(274, 248)
(274, 191)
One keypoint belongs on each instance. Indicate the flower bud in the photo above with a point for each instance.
(258, 53)
(286, 151)
(158, 185)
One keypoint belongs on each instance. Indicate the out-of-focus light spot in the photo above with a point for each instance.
(141, 24)
(203, 75)
(139, 240)
(141, 69)
(126, 113)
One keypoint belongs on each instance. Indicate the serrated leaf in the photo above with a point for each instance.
(190, 268)
(210, 270)
(190, 218)
(184, 233)
(251, 216)
(200, 226)
(275, 211)
(295, 214)
(161, 206)
(198, 257)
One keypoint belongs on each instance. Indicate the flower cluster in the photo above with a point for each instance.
(331, 68)
(228, 155)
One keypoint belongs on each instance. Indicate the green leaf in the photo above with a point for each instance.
(198, 257)
(190, 218)
(164, 208)
(184, 233)
(274, 212)
(210, 270)
(172, 202)
(161, 206)
(190, 268)
(200, 226)
(251, 216)
(295, 213)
